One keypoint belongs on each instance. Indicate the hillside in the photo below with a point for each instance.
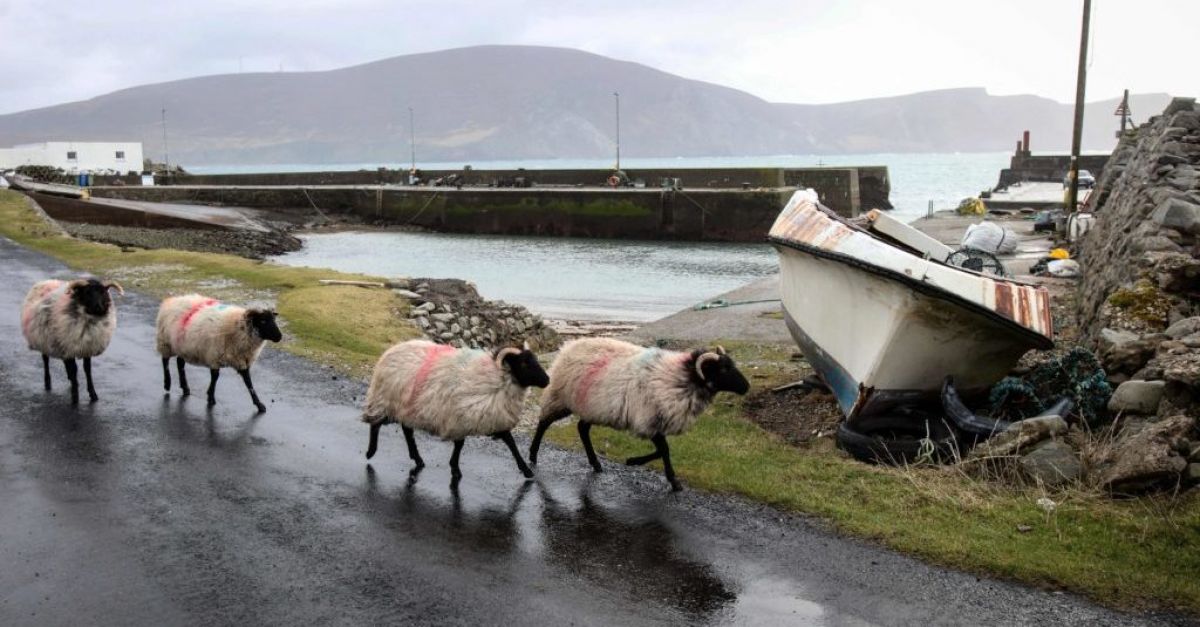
(510, 102)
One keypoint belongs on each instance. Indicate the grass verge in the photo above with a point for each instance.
(1142, 553)
(346, 327)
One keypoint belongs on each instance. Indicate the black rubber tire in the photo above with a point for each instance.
(896, 439)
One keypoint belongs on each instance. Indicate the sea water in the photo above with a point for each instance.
(635, 281)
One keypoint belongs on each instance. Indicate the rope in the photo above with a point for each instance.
(693, 201)
(423, 208)
(721, 303)
(314, 205)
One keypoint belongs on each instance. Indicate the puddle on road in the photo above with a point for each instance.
(770, 601)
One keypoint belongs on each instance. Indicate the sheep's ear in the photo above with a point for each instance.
(114, 285)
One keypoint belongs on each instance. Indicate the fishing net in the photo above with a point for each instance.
(1077, 375)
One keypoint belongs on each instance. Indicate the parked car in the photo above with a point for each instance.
(1086, 180)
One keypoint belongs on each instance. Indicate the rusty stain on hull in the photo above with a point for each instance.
(803, 222)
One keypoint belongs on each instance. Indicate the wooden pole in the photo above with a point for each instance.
(1080, 85)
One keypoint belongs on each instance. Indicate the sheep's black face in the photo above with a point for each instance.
(93, 297)
(526, 370)
(722, 375)
(263, 323)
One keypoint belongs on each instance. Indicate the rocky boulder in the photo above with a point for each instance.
(1152, 457)
(1183, 328)
(1019, 436)
(1125, 351)
(1137, 397)
(1053, 464)
(1177, 213)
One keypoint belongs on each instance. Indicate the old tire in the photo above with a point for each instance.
(897, 439)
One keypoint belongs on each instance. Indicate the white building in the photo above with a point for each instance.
(74, 157)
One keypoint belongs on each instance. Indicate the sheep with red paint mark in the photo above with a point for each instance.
(205, 332)
(451, 393)
(650, 392)
(70, 320)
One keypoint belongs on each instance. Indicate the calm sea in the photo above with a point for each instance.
(618, 280)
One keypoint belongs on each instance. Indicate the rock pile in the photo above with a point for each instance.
(1138, 303)
(451, 311)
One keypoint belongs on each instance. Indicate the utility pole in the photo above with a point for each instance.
(1080, 85)
(617, 96)
(412, 140)
(166, 154)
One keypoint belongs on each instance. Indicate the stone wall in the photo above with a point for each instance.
(451, 311)
(1138, 294)
(1048, 168)
(849, 190)
(697, 215)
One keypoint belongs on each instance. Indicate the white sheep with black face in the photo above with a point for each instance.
(70, 320)
(451, 393)
(205, 332)
(650, 392)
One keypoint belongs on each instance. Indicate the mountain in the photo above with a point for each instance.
(513, 102)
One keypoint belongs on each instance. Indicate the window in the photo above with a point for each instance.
(71, 155)
(120, 155)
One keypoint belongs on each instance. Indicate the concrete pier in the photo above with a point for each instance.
(693, 214)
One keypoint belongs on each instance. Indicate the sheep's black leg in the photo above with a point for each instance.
(46, 370)
(413, 454)
(250, 386)
(212, 387)
(73, 377)
(455, 473)
(660, 443)
(183, 384)
(585, 429)
(543, 424)
(506, 437)
(373, 445)
(87, 373)
(644, 459)
(166, 374)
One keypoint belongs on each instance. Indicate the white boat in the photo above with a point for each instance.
(884, 321)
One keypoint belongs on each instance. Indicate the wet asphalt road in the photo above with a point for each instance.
(145, 509)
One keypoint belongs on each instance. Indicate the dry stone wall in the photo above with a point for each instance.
(451, 311)
(1139, 300)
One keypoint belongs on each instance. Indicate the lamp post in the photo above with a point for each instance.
(617, 96)
(1077, 135)
(412, 139)
(166, 153)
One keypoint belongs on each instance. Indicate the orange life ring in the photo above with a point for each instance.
(613, 181)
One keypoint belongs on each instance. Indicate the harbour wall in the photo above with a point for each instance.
(697, 214)
(847, 190)
(1024, 166)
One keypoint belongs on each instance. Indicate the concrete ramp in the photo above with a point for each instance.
(149, 215)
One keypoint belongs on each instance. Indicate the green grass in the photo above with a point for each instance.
(347, 327)
(1139, 553)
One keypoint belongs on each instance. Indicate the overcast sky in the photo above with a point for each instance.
(805, 51)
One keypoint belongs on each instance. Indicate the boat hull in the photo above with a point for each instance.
(885, 326)
(879, 343)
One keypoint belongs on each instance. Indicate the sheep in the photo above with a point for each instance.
(451, 393)
(206, 332)
(648, 391)
(70, 320)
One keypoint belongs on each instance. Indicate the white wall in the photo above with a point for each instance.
(88, 156)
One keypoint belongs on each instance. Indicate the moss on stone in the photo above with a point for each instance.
(1143, 303)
